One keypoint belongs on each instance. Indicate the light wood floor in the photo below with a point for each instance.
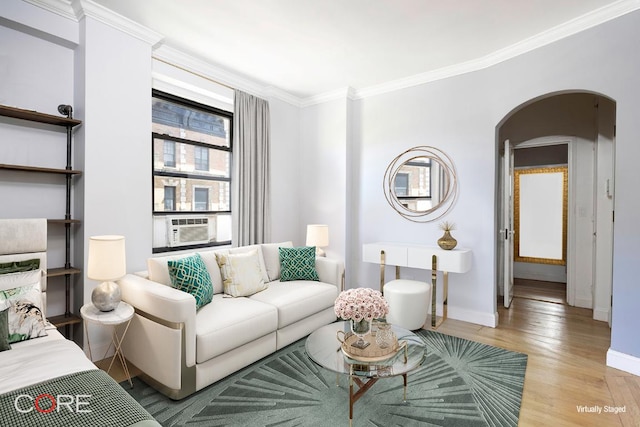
(566, 367)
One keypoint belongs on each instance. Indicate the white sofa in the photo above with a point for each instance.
(181, 350)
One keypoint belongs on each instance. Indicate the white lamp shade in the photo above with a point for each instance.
(107, 259)
(317, 235)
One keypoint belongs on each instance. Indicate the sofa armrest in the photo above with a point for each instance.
(164, 303)
(331, 270)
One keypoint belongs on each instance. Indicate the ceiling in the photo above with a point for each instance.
(311, 47)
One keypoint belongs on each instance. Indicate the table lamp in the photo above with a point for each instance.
(318, 236)
(107, 263)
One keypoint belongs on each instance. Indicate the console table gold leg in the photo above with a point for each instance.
(382, 262)
(434, 283)
(445, 294)
(435, 322)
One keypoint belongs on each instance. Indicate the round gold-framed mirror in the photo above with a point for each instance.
(421, 184)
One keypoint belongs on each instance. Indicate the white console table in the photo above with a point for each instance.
(432, 258)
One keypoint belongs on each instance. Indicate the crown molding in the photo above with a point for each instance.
(342, 93)
(59, 7)
(574, 26)
(78, 9)
(219, 75)
(87, 8)
(274, 92)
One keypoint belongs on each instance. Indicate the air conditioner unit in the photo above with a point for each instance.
(185, 231)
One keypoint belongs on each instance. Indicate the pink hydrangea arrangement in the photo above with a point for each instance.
(360, 303)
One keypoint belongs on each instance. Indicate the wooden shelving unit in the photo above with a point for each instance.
(67, 271)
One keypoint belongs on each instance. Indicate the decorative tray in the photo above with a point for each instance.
(371, 353)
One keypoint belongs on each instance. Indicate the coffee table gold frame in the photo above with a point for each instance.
(364, 371)
(365, 383)
(436, 320)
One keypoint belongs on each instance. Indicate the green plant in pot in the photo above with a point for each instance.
(447, 241)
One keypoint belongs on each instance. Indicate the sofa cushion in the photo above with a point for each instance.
(189, 274)
(297, 300)
(158, 271)
(228, 323)
(243, 249)
(298, 264)
(241, 273)
(271, 256)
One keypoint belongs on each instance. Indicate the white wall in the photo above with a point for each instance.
(451, 115)
(285, 173)
(113, 98)
(322, 175)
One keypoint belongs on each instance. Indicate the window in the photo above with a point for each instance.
(192, 150)
(169, 198)
(413, 184)
(201, 155)
(201, 198)
(402, 184)
(170, 154)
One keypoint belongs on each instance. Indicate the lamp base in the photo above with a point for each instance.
(106, 296)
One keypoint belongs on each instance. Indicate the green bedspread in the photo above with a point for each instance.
(88, 398)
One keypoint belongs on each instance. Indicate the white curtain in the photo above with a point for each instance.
(251, 183)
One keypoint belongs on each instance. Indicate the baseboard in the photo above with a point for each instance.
(601, 315)
(583, 302)
(476, 317)
(623, 361)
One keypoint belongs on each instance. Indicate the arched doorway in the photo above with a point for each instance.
(585, 123)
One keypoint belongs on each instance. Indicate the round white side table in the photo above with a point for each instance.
(120, 315)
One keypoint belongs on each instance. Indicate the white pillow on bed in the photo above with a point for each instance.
(22, 293)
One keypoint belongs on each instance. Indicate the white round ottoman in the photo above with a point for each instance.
(408, 302)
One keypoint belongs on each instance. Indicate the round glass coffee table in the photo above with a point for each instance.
(323, 348)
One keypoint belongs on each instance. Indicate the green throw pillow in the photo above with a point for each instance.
(190, 275)
(19, 266)
(4, 330)
(298, 264)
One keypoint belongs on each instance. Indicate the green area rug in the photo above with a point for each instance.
(461, 383)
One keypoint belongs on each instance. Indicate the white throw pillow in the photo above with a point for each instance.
(241, 273)
(21, 292)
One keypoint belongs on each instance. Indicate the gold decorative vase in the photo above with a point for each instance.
(447, 242)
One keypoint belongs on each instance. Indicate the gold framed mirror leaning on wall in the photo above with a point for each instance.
(421, 184)
(540, 215)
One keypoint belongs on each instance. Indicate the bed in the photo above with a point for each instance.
(46, 380)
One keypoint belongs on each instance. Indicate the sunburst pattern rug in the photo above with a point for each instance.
(461, 383)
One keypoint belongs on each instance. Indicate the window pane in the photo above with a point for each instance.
(201, 158)
(191, 174)
(402, 184)
(169, 198)
(192, 159)
(189, 123)
(416, 178)
(169, 153)
(191, 194)
(201, 199)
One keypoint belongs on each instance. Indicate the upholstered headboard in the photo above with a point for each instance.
(23, 239)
